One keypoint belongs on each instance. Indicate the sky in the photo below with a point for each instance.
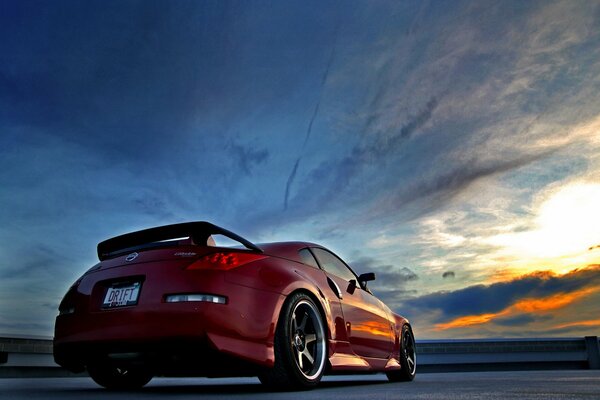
(453, 148)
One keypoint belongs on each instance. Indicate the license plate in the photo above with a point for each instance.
(122, 295)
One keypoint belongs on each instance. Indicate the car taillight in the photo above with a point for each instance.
(225, 261)
(67, 305)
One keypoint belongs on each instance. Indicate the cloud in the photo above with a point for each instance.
(536, 300)
(521, 320)
(526, 305)
(323, 82)
(486, 299)
(324, 184)
(496, 136)
(389, 275)
(419, 197)
(247, 157)
(289, 183)
(393, 276)
(392, 284)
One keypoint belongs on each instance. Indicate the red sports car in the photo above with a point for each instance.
(167, 301)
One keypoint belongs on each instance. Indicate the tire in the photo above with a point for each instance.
(408, 358)
(116, 377)
(300, 346)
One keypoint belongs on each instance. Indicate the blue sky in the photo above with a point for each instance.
(451, 147)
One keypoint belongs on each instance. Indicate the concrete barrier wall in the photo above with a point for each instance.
(33, 356)
(507, 354)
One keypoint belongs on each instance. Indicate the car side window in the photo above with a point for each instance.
(307, 258)
(333, 265)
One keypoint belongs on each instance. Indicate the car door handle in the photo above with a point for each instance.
(334, 287)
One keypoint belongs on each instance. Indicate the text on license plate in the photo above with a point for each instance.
(121, 296)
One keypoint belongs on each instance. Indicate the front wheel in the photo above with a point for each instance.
(118, 377)
(408, 358)
(300, 346)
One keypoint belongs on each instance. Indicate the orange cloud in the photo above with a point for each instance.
(529, 306)
(468, 320)
(589, 322)
(553, 302)
(513, 274)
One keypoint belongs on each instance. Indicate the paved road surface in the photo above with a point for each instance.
(464, 386)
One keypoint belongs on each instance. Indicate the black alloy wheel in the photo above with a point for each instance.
(300, 346)
(408, 358)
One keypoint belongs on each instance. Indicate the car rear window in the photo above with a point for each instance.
(307, 258)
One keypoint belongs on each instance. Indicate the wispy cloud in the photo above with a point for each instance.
(321, 89)
(289, 182)
(248, 157)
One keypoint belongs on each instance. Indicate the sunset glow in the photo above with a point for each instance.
(529, 305)
(565, 227)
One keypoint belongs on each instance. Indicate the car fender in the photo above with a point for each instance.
(399, 322)
(301, 281)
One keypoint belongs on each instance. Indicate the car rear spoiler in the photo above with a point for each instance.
(198, 231)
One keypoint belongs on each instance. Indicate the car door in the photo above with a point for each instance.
(367, 325)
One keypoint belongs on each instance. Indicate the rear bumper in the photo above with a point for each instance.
(174, 336)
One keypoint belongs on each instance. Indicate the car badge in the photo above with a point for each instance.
(131, 257)
(185, 254)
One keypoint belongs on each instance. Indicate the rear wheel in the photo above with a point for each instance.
(118, 377)
(408, 358)
(300, 346)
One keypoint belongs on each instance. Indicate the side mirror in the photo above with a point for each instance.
(364, 278)
(369, 276)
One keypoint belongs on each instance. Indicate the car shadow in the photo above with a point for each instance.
(249, 387)
(224, 388)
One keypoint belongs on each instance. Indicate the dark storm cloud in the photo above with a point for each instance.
(481, 299)
(448, 274)
(523, 319)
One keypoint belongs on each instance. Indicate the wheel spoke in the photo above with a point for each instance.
(294, 324)
(311, 337)
(302, 325)
(308, 356)
(307, 340)
(411, 363)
